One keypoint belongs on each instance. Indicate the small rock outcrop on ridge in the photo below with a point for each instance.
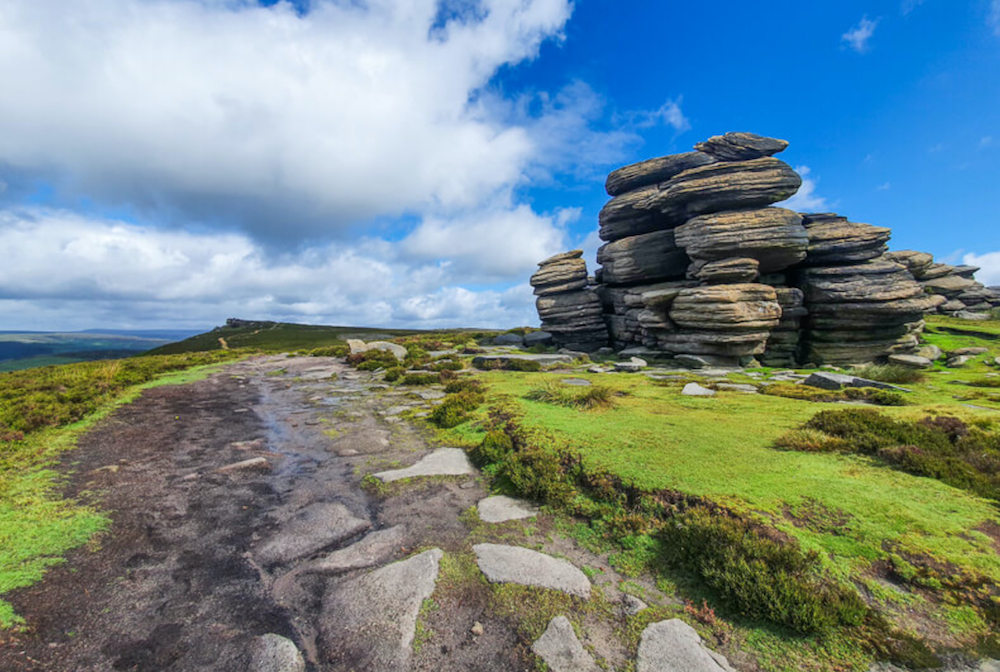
(700, 260)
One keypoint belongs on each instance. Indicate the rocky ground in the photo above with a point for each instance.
(280, 515)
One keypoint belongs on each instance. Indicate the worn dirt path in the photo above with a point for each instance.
(200, 562)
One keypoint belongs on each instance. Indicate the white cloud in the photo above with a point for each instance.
(65, 271)
(885, 186)
(909, 5)
(858, 36)
(806, 199)
(995, 16)
(302, 122)
(669, 114)
(990, 265)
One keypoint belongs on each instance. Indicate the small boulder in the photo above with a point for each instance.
(968, 351)
(509, 339)
(911, 361)
(632, 605)
(274, 653)
(955, 362)
(538, 338)
(696, 390)
(691, 361)
(628, 367)
(931, 352)
(827, 380)
(561, 650)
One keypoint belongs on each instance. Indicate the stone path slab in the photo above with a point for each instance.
(674, 646)
(442, 462)
(561, 650)
(513, 564)
(696, 390)
(368, 623)
(274, 653)
(312, 529)
(500, 509)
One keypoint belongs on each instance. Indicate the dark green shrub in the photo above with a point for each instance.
(371, 360)
(537, 472)
(421, 379)
(455, 409)
(523, 365)
(756, 575)
(463, 384)
(495, 447)
(446, 365)
(330, 351)
(394, 374)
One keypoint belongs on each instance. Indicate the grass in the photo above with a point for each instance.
(889, 373)
(720, 450)
(44, 411)
(587, 398)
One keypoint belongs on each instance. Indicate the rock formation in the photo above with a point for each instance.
(699, 263)
(957, 284)
(569, 307)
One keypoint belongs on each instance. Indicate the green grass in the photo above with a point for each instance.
(38, 525)
(847, 509)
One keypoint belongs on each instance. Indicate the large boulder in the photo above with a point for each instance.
(743, 307)
(835, 240)
(735, 146)
(642, 259)
(653, 171)
(735, 185)
(873, 281)
(773, 236)
(916, 262)
(630, 215)
(562, 273)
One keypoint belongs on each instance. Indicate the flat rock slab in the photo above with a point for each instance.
(577, 382)
(368, 623)
(561, 650)
(513, 564)
(442, 462)
(696, 390)
(312, 529)
(500, 509)
(674, 646)
(374, 549)
(431, 395)
(737, 387)
(274, 653)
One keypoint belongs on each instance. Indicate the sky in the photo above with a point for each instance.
(172, 163)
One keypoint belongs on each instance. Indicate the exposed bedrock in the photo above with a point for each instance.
(643, 258)
(833, 240)
(569, 308)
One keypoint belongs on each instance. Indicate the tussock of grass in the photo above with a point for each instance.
(585, 398)
(456, 407)
(866, 394)
(893, 374)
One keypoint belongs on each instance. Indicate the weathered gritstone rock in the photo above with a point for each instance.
(722, 186)
(775, 237)
(643, 258)
(653, 171)
(836, 298)
(312, 529)
(500, 509)
(513, 564)
(833, 240)
(274, 653)
(369, 622)
(442, 462)
(561, 650)
(372, 550)
(570, 310)
(357, 347)
(741, 146)
(674, 646)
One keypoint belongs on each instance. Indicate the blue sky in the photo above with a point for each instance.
(406, 162)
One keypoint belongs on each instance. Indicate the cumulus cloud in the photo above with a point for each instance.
(278, 119)
(857, 37)
(990, 265)
(806, 199)
(65, 271)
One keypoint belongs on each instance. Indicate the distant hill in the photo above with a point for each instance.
(276, 337)
(25, 350)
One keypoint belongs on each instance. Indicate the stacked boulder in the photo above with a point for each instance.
(570, 309)
(700, 264)
(957, 284)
